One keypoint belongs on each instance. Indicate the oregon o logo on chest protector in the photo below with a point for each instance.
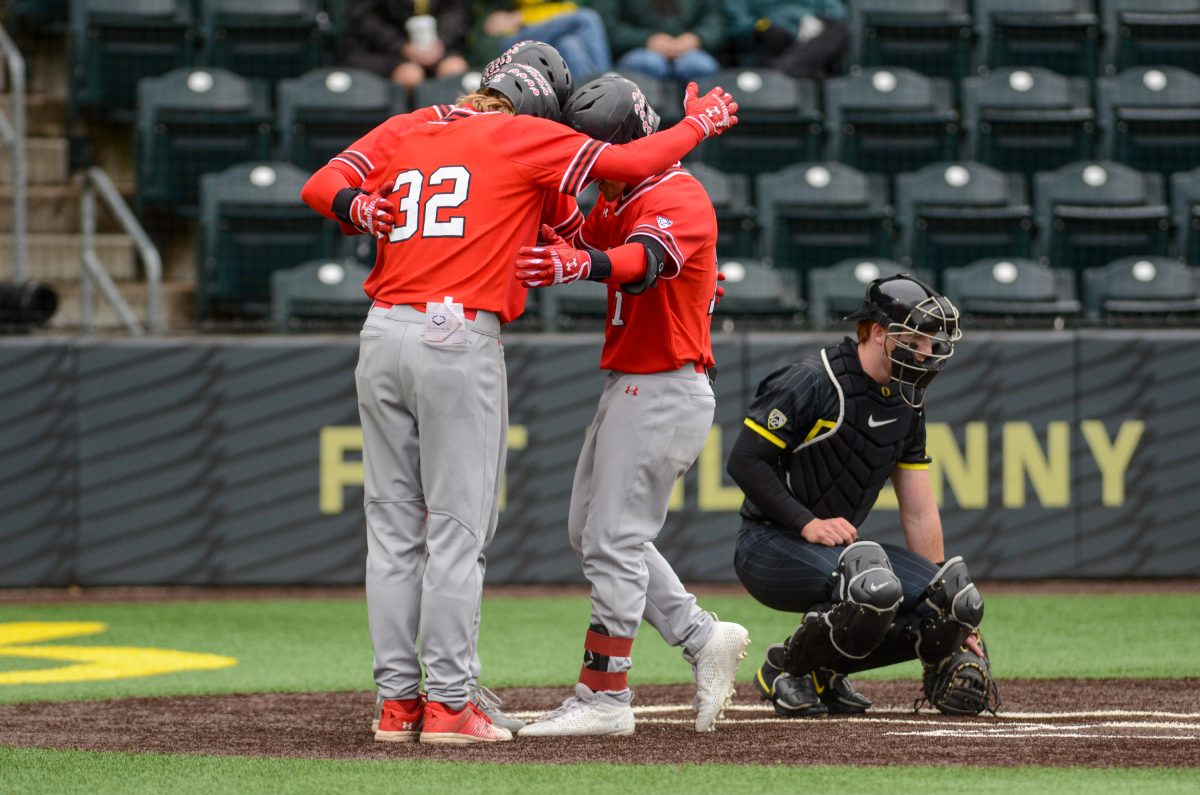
(840, 473)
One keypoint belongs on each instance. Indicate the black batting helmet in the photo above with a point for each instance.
(540, 56)
(527, 89)
(909, 310)
(610, 108)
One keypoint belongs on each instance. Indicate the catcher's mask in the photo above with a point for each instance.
(912, 312)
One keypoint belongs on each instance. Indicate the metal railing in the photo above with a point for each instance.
(13, 135)
(96, 181)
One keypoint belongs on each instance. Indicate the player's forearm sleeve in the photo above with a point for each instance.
(323, 187)
(628, 263)
(636, 160)
(752, 466)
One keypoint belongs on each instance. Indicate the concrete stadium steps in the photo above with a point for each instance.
(45, 114)
(177, 300)
(57, 255)
(46, 162)
(52, 208)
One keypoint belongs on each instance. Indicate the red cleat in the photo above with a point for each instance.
(468, 725)
(401, 721)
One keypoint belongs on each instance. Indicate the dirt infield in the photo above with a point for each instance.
(1062, 722)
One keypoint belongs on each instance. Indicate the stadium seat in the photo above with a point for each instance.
(754, 288)
(115, 43)
(1149, 117)
(932, 37)
(838, 290)
(270, 39)
(574, 305)
(890, 120)
(1151, 33)
(30, 17)
(814, 214)
(322, 112)
(192, 122)
(445, 90)
(1059, 35)
(1185, 214)
(730, 196)
(1140, 289)
(252, 224)
(779, 122)
(1013, 289)
(1089, 212)
(319, 293)
(1027, 119)
(951, 213)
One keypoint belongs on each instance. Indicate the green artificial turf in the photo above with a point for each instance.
(38, 771)
(323, 644)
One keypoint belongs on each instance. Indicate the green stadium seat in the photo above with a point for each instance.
(322, 112)
(318, 294)
(115, 43)
(753, 289)
(889, 120)
(270, 39)
(253, 223)
(192, 122)
(932, 37)
(1059, 35)
(814, 214)
(730, 196)
(951, 213)
(779, 122)
(838, 290)
(1013, 289)
(1151, 33)
(1027, 119)
(36, 17)
(1140, 289)
(1149, 117)
(578, 305)
(444, 90)
(1089, 212)
(1185, 214)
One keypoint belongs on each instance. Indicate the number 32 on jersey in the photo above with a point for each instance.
(434, 219)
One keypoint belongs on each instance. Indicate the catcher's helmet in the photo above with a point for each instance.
(909, 309)
(527, 89)
(540, 56)
(610, 108)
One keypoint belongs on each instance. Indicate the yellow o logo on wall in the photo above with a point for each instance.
(91, 663)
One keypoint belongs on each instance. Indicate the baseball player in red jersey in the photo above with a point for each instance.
(339, 183)
(653, 242)
(466, 192)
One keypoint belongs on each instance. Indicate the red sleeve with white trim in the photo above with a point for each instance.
(562, 213)
(673, 219)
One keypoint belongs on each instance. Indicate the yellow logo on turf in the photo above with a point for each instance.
(91, 663)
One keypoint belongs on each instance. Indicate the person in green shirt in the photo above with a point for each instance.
(664, 39)
(801, 38)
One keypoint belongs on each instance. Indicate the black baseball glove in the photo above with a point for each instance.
(961, 684)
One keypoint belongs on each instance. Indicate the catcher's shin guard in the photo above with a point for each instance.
(957, 610)
(868, 593)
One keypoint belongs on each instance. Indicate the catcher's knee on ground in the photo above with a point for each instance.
(867, 594)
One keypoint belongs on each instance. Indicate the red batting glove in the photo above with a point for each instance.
(372, 214)
(713, 112)
(720, 290)
(555, 263)
(548, 237)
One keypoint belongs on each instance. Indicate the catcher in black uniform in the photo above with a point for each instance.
(820, 439)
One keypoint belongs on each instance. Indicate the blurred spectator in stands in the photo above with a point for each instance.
(576, 32)
(802, 38)
(407, 40)
(665, 39)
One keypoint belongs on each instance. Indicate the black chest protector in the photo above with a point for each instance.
(841, 471)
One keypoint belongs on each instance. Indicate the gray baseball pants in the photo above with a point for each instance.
(648, 431)
(435, 432)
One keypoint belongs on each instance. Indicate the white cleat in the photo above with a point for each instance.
(584, 714)
(714, 668)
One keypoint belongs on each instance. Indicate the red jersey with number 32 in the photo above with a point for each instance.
(668, 325)
(468, 191)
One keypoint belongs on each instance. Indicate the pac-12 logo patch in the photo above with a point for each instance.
(664, 222)
(776, 419)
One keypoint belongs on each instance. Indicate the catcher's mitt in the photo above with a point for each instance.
(961, 684)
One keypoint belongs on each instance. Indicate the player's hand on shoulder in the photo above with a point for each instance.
(553, 263)
(714, 111)
(372, 213)
(830, 532)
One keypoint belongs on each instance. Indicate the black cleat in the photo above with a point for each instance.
(796, 697)
(837, 693)
(769, 671)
